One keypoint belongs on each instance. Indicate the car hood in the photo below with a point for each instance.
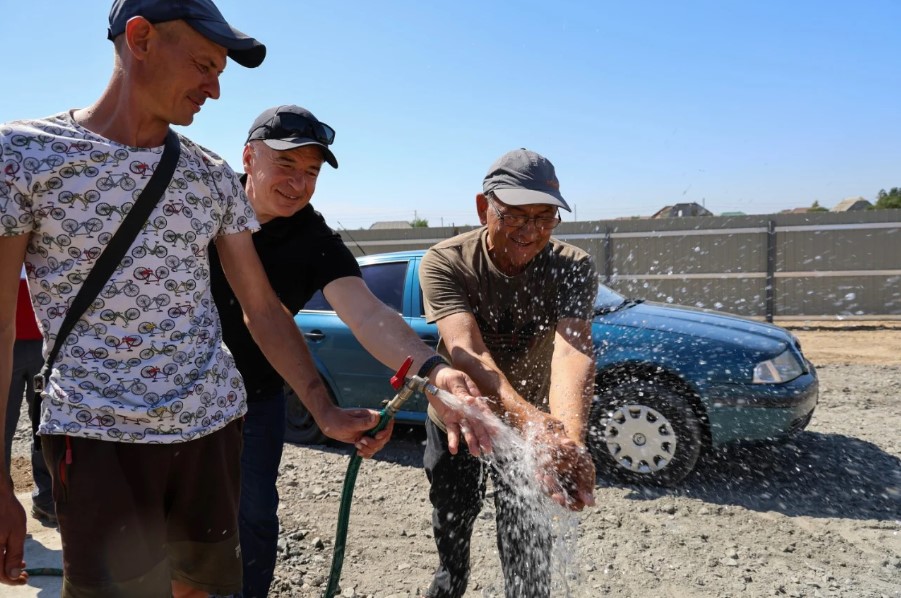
(741, 333)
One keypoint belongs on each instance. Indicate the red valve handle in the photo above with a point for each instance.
(397, 380)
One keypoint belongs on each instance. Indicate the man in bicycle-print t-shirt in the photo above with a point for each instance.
(141, 415)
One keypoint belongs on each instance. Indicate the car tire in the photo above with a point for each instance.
(644, 432)
(300, 426)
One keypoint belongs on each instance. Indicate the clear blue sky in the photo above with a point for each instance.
(754, 106)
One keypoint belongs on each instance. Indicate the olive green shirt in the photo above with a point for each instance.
(516, 315)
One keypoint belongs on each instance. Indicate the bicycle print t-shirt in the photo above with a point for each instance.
(145, 363)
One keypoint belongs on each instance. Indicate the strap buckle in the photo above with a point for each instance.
(39, 383)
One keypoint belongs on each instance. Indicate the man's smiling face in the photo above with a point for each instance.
(512, 247)
(280, 183)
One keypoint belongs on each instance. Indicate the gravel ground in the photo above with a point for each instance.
(820, 516)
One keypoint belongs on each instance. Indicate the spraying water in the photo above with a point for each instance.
(544, 528)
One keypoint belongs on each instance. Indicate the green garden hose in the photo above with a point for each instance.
(405, 387)
(48, 571)
(347, 493)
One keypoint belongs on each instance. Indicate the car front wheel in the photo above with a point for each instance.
(643, 432)
(300, 427)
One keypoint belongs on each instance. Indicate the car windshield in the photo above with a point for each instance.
(608, 300)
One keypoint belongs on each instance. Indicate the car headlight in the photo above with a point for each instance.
(782, 368)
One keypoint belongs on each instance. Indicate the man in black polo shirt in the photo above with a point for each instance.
(284, 152)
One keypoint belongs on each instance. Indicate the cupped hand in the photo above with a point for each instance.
(468, 416)
(567, 469)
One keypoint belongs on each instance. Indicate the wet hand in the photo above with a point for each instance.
(577, 479)
(469, 417)
(567, 471)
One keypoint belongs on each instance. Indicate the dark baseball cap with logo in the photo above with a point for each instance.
(201, 15)
(288, 127)
(523, 177)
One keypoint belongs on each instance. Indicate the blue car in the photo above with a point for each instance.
(672, 382)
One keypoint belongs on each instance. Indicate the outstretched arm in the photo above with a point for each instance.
(274, 330)
(467, 349)
(388, 338)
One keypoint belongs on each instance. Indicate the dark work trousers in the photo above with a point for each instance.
(264, 437)
(27, 362)
(457, 491)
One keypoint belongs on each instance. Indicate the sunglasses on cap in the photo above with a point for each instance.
(287, 125)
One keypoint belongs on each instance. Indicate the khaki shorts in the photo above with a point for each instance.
(133, 517)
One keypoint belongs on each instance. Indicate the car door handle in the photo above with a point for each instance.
(430, 340)
(314, 335)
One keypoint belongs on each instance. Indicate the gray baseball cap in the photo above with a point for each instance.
(201, 15)
(522, 177)
(287, 127)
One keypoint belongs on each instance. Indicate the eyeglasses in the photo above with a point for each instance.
(295, 125)
(542, 223)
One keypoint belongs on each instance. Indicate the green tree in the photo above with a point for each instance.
(418, 222)
(888, 201)
(816, 207)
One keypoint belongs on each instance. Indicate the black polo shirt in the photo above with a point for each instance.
(301, 255)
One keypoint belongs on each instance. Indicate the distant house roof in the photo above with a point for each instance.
(389, 224)
(683, 210)
(795, 211)
(852, 204)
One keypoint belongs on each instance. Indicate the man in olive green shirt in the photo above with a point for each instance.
(513, 308)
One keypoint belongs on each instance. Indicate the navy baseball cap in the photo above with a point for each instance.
(287, 127)
(201, 15)
(522, 177)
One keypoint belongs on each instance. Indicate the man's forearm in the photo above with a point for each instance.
(505, 402)
(387, 337)
(284, 346)
(7, 338)
(572, 389)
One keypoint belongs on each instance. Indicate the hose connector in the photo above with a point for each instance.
(406, 386)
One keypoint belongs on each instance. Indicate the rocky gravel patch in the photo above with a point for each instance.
(818, 516)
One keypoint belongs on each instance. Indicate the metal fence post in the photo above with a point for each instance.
(608, 256)
(770, 270)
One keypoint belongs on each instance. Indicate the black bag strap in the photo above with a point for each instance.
(115, 249)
